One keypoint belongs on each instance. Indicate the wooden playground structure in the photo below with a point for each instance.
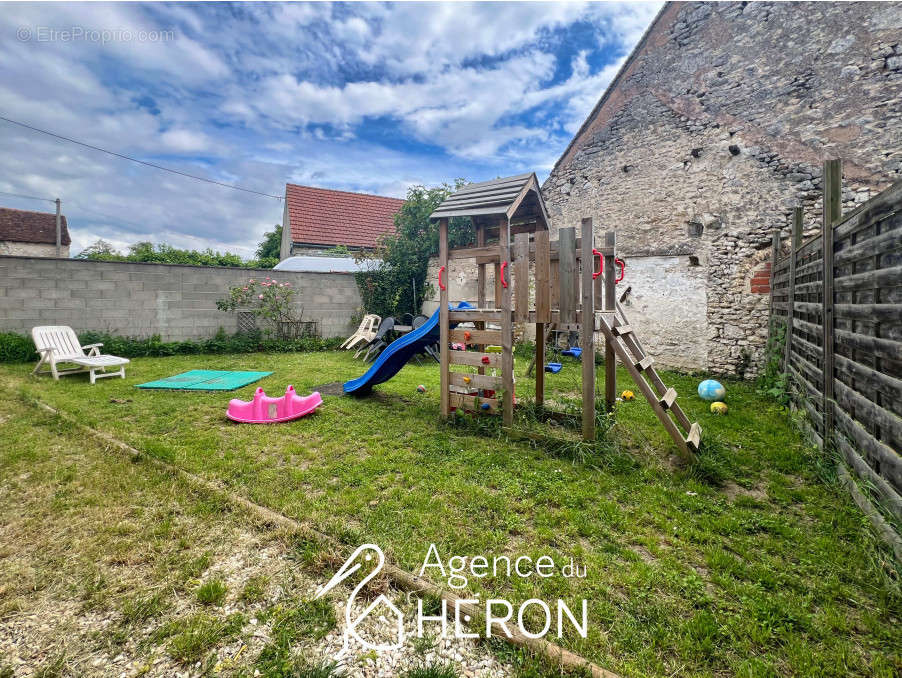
(571, 293)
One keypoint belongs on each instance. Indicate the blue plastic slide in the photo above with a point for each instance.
(397, 353)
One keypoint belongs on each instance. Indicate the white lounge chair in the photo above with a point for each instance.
(365, 333)
(59, 344)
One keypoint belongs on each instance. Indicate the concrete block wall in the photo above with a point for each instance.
(177, 302)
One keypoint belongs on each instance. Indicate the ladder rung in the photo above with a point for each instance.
(695, 435)
(644, 364)
(668, 398)
(620, 330)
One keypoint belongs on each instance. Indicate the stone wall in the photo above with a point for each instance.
(176, 302)
(714, 130)
(31, 249)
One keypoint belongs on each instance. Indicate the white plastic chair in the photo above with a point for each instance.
(365, 333)
(59, 344)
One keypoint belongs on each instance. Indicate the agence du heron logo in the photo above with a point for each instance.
(364, 553)
(533, 618)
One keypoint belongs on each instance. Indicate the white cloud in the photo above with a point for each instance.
(269, 93)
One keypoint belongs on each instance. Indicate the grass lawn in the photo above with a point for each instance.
(751, 563)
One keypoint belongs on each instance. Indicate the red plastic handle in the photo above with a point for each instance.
(441, 285)
(622, 264)
(600, 270)
(503, 281)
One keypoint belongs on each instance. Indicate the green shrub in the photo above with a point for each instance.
(15, 348)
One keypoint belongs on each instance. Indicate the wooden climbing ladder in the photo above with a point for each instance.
(620, 335)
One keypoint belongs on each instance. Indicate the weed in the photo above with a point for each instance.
(191, 638)
(443, 670)
(212, 592)
(196, 566)
(254, 589)
(141, 608)
(308, 619)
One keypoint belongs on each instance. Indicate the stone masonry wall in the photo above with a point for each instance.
(176, 302)
(715, 129)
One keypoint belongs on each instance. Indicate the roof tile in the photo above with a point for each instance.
(36, 227)
(320, 216)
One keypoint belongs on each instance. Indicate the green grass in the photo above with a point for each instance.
(212, 592)
(432, 671)
(190, 639)
(745, 563)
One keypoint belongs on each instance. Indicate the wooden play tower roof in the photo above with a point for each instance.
(517, 198)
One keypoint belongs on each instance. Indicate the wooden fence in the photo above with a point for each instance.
(839, 298)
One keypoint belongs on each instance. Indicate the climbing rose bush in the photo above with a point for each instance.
(268, 299)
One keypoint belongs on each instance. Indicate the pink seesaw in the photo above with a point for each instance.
(265, 410)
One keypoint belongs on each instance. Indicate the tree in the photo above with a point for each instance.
(405, 253)
(147, 252)
(100, 249)
(270, 248)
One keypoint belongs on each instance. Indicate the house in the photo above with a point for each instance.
(316, 220)
(715, 128)
(32, 234)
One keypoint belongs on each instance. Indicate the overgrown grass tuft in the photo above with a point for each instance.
(191, 638)
(438, 670)
(212, 592)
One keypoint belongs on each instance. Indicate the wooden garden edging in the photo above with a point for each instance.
(839, 298)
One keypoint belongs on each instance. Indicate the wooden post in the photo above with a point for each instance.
(610, 301)
(774, 253)
(507, 325)
(795, 241)
(543, 307)
(587, 330)
(832, 215)
(521, 277)
(443, 319)
(480, 285)
(59, 230)
(569, 281)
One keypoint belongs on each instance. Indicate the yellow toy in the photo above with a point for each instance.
(718, 408)
(627, 395)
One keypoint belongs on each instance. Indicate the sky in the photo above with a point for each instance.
(361, 97)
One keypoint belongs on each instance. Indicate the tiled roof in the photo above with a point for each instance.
(319, 216)
(37, 227)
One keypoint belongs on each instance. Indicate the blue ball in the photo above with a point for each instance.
(711, 390)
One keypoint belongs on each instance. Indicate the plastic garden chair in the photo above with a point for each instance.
(59, 344)
(365, 332)
(379, 342)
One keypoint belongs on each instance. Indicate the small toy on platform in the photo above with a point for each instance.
(628, 395)
(711, 390)
(266, 410)
(421, 388)
(719, 408)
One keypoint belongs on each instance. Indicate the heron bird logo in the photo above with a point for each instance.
(363, 554)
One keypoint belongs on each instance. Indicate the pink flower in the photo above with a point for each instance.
(260, 297)
(245, 289)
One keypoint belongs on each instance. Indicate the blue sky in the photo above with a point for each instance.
(361, 97)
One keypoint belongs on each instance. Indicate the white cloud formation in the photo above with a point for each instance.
(372, 97)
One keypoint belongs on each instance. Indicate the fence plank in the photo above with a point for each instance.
(832, 215)
(888, 496)
(888, 460)
(794, 242)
